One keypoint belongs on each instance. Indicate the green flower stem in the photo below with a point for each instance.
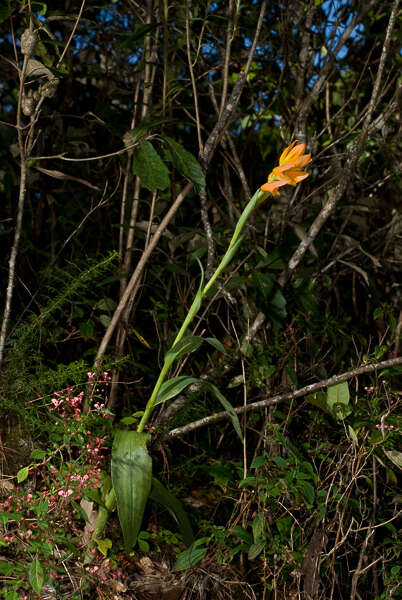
(235, 238)
(151, 402)
(235, 242)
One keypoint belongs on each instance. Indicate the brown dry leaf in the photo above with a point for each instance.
(88, 508)
(6, 487)
(61, 175)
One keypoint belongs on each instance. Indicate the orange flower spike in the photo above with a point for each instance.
(293, 153)
(272, 186)
(289, 172)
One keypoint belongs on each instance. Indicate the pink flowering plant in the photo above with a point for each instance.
(47, 518)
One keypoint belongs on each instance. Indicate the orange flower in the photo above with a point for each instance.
(289, 171)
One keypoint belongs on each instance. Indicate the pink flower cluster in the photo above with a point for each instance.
(66, 401)
(101, 571)
(369, 388)
(388, 427)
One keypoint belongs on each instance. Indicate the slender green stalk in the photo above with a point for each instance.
(151, 402)
(234, 244)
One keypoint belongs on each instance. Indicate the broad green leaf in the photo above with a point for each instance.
(259, 461)
(242, 534)
(173, 387)
(37, 454)
(353, 435)
(394, 456)
(94, 495)
(163, 496)
(255, 549)
(23, 474)
(105, 320)
(338, 400)
(10, 594)
(257, 526)
(319, 399)
(129, 420)
(149, 167)
(104, 545)
(131, 478)
(278, 306)
(105, 304)
(307, 490)
(189, 343)
(7, 568)
(281, 462)
(87, 329)
(36, 576)
(190, 557)
(227, 406)
(186, 164)
(216, 344)
(338, 394)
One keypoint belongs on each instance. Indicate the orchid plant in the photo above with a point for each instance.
(132, 481)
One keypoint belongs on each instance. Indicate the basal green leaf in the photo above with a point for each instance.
(163, 496)
(131, 478)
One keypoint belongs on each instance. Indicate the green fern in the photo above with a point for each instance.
(26, 378)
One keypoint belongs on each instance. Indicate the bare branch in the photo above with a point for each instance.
(224, 119)
(353, 156)
(308, 389)
(139, 269)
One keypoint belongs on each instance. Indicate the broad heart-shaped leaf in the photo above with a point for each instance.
(338, 400)
(190, 343)
(36, 576)
(163, 496)
(227, 406)
(149, 167)
(22, 474)
(173, 387)
(186, 164)
(319, 399)
(131, 479)
(191, 556)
